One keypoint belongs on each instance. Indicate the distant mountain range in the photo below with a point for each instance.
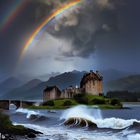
(130, 83)
(9, 84)
(34, 89)
(113, 80)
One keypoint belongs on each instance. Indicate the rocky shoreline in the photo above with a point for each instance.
(8, 131)
(11, 136)
(24, 134)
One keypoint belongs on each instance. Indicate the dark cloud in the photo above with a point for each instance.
(95, 20)
(106, 24)
(91, 20)
(13, 38)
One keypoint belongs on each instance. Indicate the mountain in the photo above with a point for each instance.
(36, 92)
(9, 84)
(22, 90)
(130, 83)
(30, 84)
(66, 79)
(45, 77)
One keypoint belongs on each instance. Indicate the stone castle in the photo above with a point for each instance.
(91, 83)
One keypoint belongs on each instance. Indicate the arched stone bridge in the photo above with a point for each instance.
(4, 104)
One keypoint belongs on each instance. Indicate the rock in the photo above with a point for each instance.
(31, 135)
(37, 117)
(33, 117)
(80, 122)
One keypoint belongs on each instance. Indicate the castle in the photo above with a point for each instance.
(91, 83)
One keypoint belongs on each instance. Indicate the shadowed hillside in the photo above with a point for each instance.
(9, 84)
(130, 83)
(36, 92)
(22, 90)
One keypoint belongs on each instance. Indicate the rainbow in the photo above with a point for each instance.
(11, 14)
(47, 20)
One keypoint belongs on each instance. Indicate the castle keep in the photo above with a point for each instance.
(91, 83)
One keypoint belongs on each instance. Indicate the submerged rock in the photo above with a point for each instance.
(80, 122)
(31, 135)
(40, 117)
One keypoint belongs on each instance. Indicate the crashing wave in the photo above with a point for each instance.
(84, 116)
(62, 133)
(32, 115)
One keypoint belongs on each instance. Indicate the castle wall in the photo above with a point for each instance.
(92, 87)
(100, 87)
(91, 83)
(70, 92)
(51, 95)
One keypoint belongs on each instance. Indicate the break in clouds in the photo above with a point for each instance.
(83, 24)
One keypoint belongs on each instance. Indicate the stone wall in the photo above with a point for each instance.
(52, 94)
(93, 87)
(70, 92)
(91, 83)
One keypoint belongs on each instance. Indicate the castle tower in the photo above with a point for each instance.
(91, 83)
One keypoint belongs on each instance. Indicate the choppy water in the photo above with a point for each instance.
(110, 124)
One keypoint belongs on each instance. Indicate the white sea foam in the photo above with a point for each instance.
(114, 123)
(86, 113)
(28, 112)
(55, 133)
(95, 116)
(134, 137)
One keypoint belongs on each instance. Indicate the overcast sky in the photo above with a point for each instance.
(96, 34)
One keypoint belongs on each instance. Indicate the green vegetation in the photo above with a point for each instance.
(49, 103)
(97, 101)
(67, 103)
(79, 99)
(58, 104)
(114, 102)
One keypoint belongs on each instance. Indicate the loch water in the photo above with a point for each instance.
(113, 124)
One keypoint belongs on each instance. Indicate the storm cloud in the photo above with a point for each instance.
(84, 24)
(110, 28)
